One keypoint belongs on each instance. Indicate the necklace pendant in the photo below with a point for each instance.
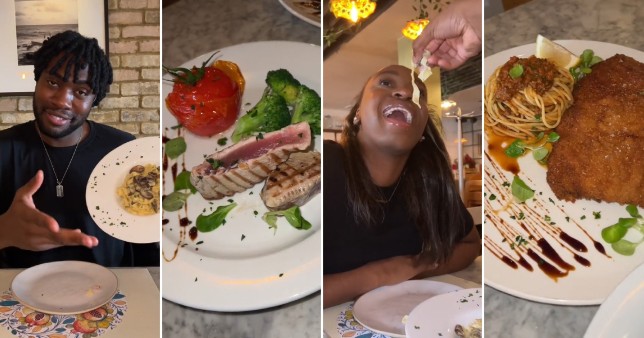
(59, 190)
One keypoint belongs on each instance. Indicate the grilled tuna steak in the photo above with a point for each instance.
(248, 162)
(293, 182)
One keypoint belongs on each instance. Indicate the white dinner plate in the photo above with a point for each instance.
(65, 287)
(243, 265)
(583, 285)
(619, 315)
(305, 10)
(101, 192)
(438, 316)
(382, 310)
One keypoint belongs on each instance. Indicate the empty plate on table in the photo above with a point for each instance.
(620, 315)
(65, 287)
(383, 310)
(103, 200)
(438, 316)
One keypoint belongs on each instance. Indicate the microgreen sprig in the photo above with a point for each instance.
(587, 60)
(540, 150)
(293, 215)
(516, 71)
(614, 234)
(189, 76)
(212, 221)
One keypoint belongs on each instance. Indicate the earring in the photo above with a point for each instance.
(422, 138)
(356, 120)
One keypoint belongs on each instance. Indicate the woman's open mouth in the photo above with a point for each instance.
(398, 115)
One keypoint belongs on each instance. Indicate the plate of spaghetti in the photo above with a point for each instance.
(535, 100)
(542, 244)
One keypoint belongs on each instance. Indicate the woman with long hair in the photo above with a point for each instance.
(391, 209)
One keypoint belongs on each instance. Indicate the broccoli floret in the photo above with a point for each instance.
(282, 82)
(307, 109)
(269, 114)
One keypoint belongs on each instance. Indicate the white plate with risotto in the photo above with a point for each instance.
(123, 194)
(578, 243)
(242, 265)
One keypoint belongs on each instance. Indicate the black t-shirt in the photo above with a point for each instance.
(348, 245)
(22, 155)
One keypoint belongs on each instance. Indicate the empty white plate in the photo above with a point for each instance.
(65, 287)
(382, 310)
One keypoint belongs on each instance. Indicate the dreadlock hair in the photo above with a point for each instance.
(427, 185)
(77, 52)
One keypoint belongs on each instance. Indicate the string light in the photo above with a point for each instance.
(353, 10)
(413, 28)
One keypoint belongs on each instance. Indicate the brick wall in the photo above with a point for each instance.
(134, 46)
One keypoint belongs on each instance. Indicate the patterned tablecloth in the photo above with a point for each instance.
(132, 312)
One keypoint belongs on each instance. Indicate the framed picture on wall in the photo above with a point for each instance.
(25, 24)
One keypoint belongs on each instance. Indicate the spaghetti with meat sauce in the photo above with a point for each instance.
(523, 105)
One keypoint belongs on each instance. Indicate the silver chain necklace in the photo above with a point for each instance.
(395, 188)
(59, 186)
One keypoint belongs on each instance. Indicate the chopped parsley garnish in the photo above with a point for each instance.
(215, 164)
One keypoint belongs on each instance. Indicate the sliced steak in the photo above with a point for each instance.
(248, 162)
(293, 182)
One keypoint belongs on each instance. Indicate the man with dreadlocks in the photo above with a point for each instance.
(45, 164)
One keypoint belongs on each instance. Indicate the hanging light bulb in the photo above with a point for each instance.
(353, 13)
(353, 10)
(413, 28)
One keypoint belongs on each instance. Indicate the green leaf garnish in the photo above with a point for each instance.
(210, 222)
(615, 233)
(540, 153)
(553, 137)
(174, 201)
(624, 247)
(586, 61)
(175, 147)
(182, 182)
(189, 76)
(293, 215)
(516, 71)
(520, 190)
(516, 149)
(632, 210)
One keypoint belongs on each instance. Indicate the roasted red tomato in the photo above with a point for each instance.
(208, 107)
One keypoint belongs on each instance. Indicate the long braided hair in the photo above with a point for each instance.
(430, 195)
(77, 52)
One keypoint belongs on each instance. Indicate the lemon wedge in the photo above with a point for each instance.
(555, 53)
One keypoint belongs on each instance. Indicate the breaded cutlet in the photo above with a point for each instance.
(600, 153)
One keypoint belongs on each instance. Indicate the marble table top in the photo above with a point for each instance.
(192, 28)
(619, 22)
